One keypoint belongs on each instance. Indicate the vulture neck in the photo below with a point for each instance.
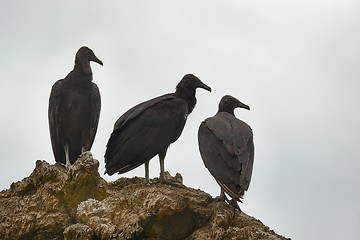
(188, 96)
(230, 111)
(83, 67)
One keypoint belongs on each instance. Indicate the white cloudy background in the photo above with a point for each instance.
(296, 63)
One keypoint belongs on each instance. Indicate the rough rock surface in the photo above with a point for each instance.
(53, 203)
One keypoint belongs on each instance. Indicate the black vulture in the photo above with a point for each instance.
(149, 128)
(74, 110)
(227, 149)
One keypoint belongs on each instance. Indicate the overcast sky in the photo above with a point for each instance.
(295, 63)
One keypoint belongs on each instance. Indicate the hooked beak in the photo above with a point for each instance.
(242, 105)
(204, 86)
(95, 59)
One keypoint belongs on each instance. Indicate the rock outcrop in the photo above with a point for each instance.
(55, 203)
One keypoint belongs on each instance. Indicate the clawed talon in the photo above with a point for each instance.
(220, 199)
(59, 164)
(64, 166)
(223, 198)
(147, 182)
(234, 203)
(169, 182)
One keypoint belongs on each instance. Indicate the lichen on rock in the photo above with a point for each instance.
(55, 203)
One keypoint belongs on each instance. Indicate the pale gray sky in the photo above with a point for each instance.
(294, 62)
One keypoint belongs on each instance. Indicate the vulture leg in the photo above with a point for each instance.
(162, 171)
(147, 179)
(234, 203)
(222, 197)
(66, 149)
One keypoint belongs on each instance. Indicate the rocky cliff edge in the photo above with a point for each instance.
(53, 203)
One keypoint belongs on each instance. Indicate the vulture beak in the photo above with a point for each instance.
(204, 86)
(242, 105)
(95, 59)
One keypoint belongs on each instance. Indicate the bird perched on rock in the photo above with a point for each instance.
(149, 128)
(74, 110)
(227, 149)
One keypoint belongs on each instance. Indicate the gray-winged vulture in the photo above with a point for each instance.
(227, 149)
